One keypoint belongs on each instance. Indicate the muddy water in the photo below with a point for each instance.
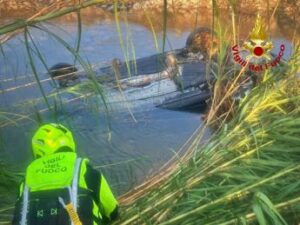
(125, 144)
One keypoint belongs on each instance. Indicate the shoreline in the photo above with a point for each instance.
(177, 22)
(13, 8)
(182, 15)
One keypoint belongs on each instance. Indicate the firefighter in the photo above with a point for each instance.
(61, 188)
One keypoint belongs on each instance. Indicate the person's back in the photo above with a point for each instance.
(59, 187)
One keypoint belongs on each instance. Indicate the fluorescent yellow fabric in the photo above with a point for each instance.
(49, 138)
(56, 171)
(21, 188)
(51, 172)
(82, 182)
(96, 212)
(107, 198)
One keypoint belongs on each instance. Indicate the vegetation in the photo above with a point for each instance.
(247, 173)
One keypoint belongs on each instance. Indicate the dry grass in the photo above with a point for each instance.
(248, 172)
(242, 174)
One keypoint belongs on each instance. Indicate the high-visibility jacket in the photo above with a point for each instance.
(56, 182)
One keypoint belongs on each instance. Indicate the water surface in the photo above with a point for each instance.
(125, 145)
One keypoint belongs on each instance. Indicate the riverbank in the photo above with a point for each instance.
(15, 8)
(181, 15)
(247, 173)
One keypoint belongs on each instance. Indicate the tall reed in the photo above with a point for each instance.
(248, 172)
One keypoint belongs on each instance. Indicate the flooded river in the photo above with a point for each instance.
(126, 143)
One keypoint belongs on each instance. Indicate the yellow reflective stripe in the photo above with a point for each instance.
(21, 189)
(96, 212)
(107, 198)
(82, 182)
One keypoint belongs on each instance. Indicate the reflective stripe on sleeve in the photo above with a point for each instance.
(75, 183)
(25, 206)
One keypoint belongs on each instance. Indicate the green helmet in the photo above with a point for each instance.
(51, 137)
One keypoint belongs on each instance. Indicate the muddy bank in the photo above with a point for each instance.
(28, 7)
(182, 15)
